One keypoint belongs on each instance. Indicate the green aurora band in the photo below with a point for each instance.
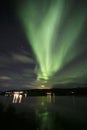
(52, 35)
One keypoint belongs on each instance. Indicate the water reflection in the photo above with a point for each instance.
(17, 97)
(50, 112)
(46, 119)
(49, 97)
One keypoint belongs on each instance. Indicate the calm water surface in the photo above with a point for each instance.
(49, 113)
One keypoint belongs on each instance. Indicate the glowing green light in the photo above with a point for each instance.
(42, 28)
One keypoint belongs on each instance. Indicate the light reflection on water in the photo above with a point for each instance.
(52, 112)
(18, 97)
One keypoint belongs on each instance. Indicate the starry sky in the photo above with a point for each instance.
(17, 59)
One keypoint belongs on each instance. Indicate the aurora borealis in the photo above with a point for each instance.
(43, 64)
(44, 42)
(53, 40)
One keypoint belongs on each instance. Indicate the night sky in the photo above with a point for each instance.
(17, 59)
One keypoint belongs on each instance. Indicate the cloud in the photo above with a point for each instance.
(22, 58)
(5, 78)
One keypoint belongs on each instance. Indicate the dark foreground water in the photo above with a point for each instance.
(44, 113)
